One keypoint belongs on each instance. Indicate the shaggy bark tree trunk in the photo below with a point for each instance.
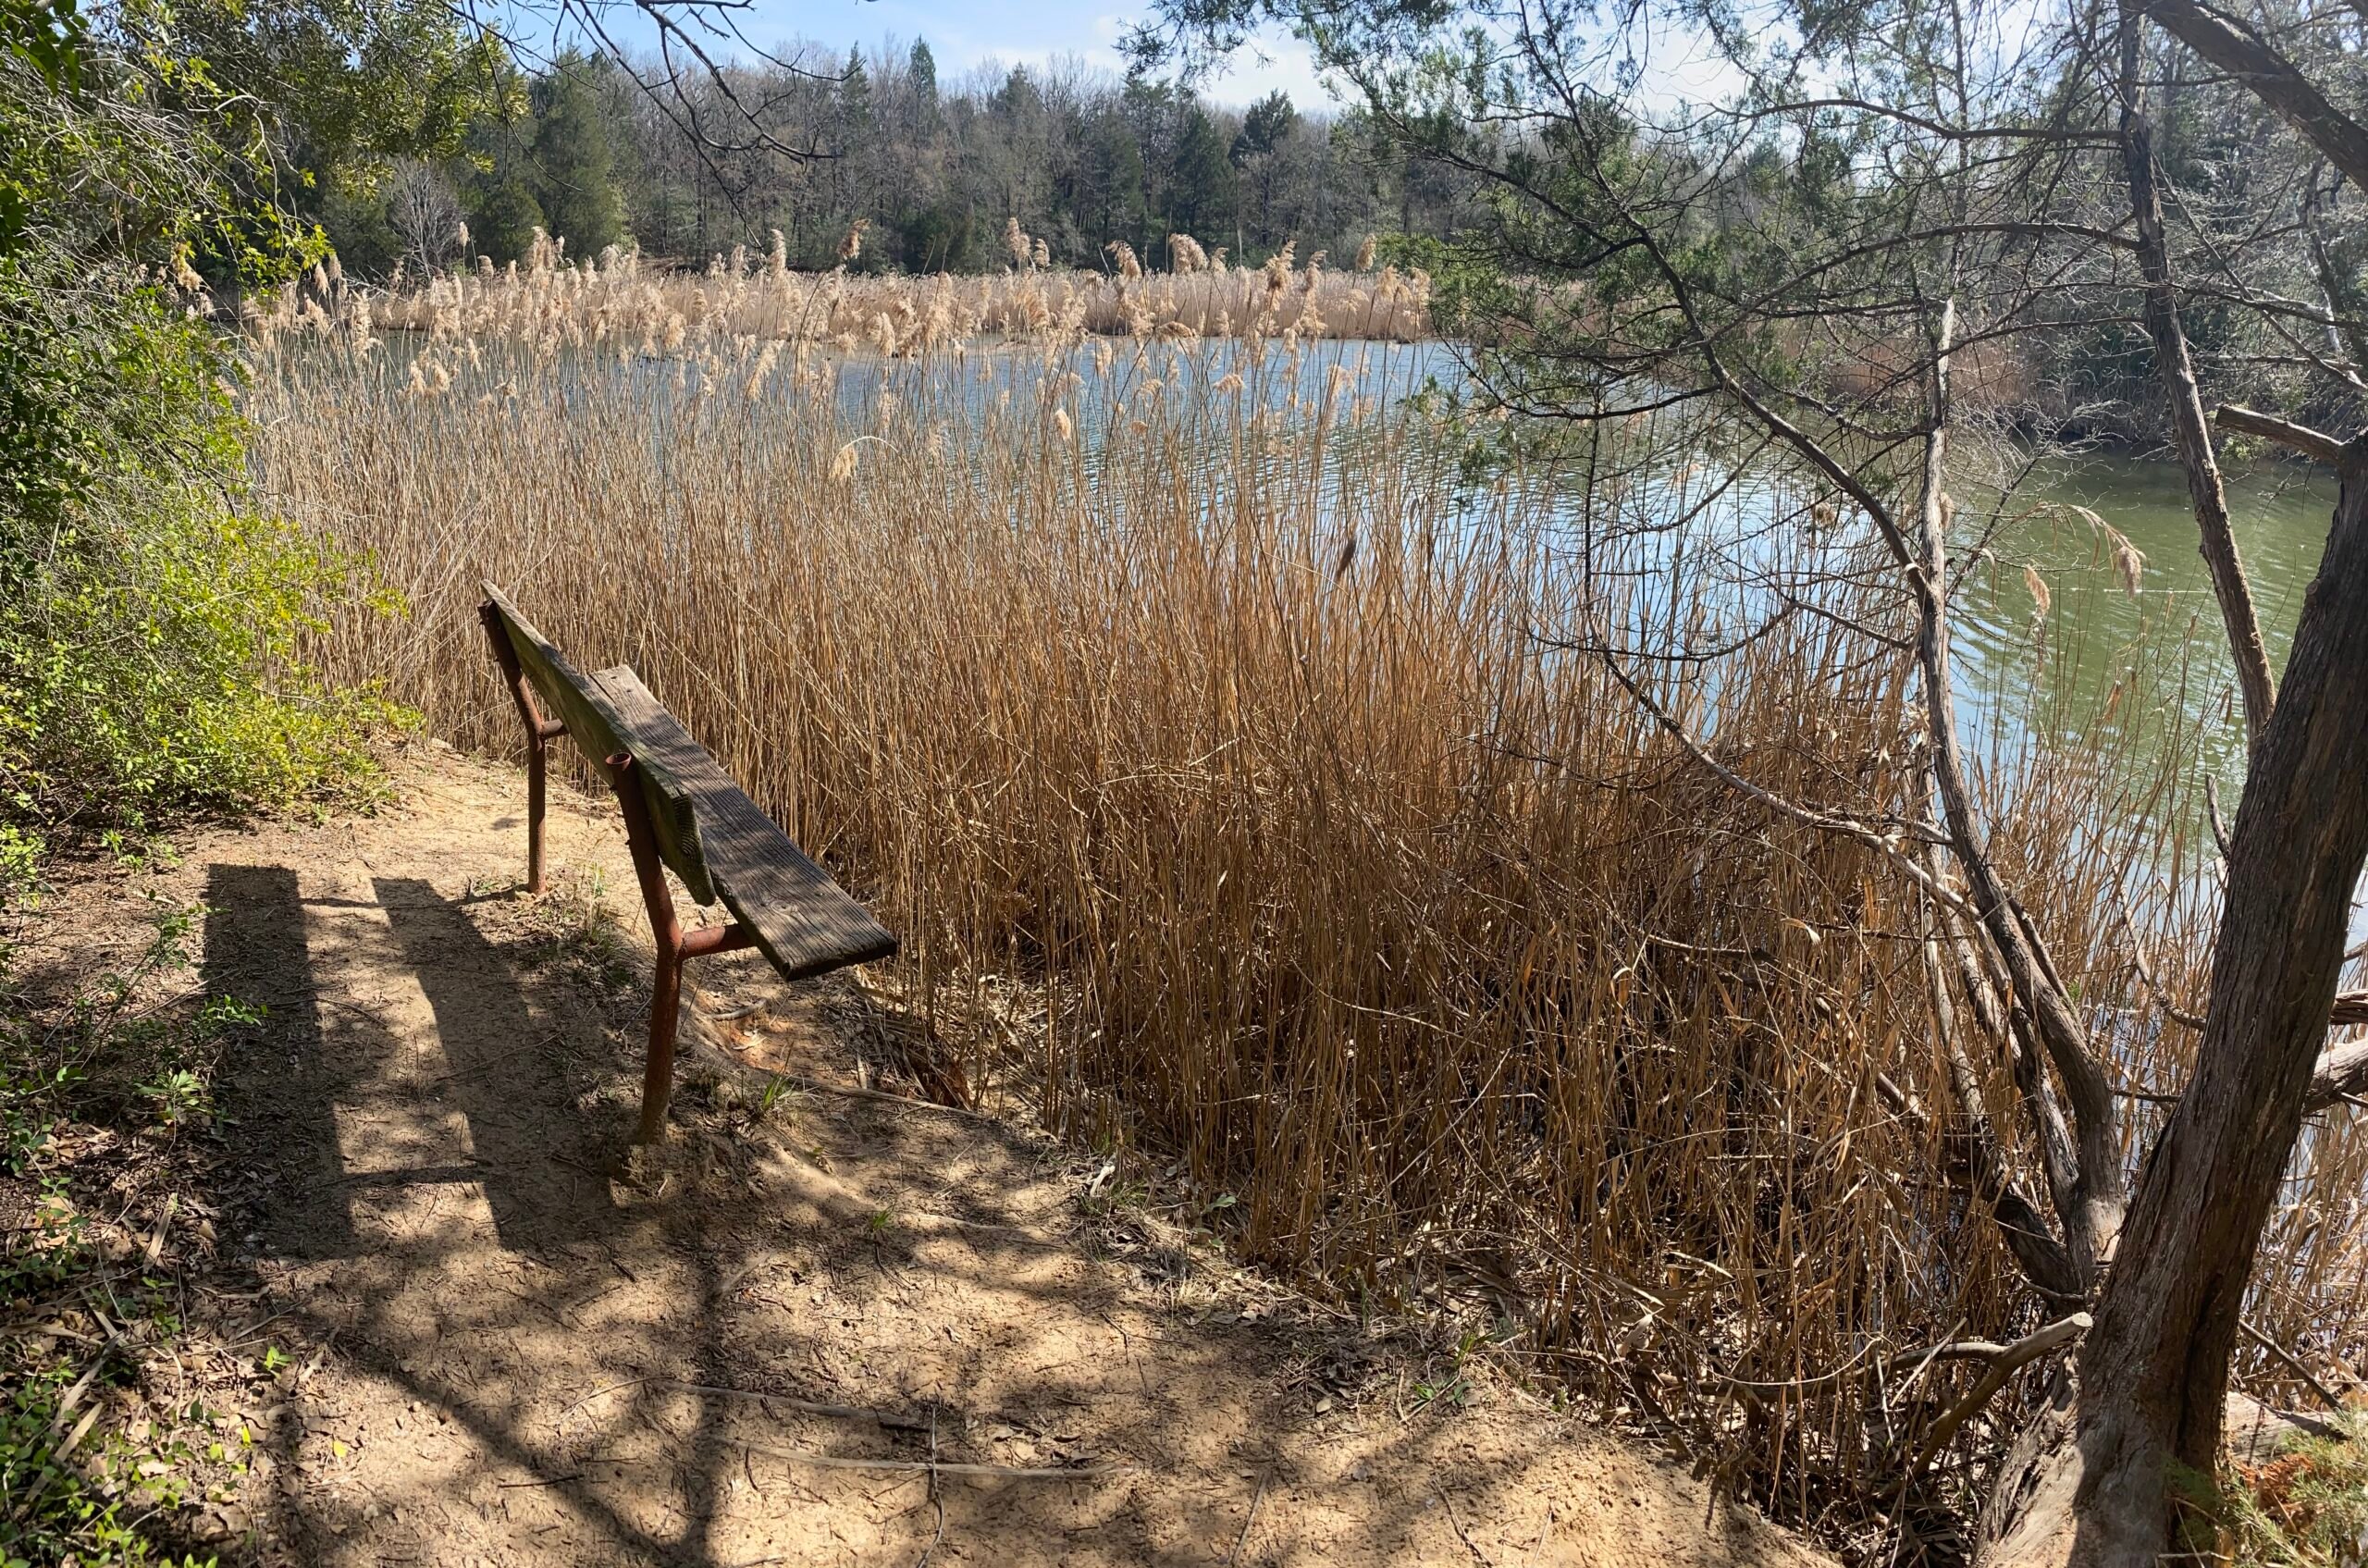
(2089, 1483)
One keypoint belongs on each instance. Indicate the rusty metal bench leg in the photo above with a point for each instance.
(673, 946)
(539, 733)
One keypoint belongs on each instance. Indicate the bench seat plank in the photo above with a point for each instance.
(802, 919)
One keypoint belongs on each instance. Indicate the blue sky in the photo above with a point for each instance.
(965, 34)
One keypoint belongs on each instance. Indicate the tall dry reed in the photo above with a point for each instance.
(615, 299)
(1203, 734)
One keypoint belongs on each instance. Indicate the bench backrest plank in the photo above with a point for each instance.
(600, 731)
(802, 919)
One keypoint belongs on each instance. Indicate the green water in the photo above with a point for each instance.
(2164, 646)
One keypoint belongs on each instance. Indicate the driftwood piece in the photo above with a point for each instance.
(2255, 1434)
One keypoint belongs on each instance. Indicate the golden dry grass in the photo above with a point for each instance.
(615, 299)
(1196, 732)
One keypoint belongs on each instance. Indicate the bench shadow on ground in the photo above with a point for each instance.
(515, 1348)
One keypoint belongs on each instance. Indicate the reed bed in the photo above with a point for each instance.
(615, 299)
(1201, 726)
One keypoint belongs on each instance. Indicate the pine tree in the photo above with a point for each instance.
(922, 65)
(575, 165)
(1201, 179)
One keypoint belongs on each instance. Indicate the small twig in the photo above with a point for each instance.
(597, 1393)
(807, 1407)
(746, 1271)
(939, 1503)
(2219, 825)
(2171, 1009)
(935, 1499)
(932, 1467)
(2291, 1362)
(1441, 1492)
(547, 1481)
(157, 1239)
(910, 1101)
(1249, 1519)
(731, 1014)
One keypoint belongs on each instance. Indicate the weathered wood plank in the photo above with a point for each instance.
(600, 732)
(803, 921)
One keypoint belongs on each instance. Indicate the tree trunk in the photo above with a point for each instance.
(2090, 1484)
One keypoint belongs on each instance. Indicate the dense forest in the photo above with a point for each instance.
(933, 171)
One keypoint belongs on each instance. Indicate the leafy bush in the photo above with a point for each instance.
(2306, 1508)
(149, 615)
(148, 642)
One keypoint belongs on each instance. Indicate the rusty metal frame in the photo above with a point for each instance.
(673, 943)
(539, 733)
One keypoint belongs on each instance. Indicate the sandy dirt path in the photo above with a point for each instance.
(509, 1350)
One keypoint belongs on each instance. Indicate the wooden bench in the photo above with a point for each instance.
(681, 812)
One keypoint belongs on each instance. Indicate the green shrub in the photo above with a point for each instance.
(150, 617)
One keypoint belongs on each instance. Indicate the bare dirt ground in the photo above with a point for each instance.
(493, 1341)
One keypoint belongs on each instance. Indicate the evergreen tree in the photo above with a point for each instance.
(1200, 180)
(575, 165)
(507, 217)
(1259, 153)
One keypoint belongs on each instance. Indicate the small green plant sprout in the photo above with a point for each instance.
(275, 1360)
(179, 1097)
(775, 1087)
(228, 1012)
(1454, 1390)
(880, 1223)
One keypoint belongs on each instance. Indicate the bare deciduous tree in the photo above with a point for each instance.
(425, 212)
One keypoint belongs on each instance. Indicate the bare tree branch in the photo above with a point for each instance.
(2313, 444)
(2236, 47)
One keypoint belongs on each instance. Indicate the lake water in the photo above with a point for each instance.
(2093, 633)
(2281, 512)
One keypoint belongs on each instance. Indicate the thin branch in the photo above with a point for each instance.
(2028, 1348)
(935, 1467)
(2232, 44)
(2291, 1363)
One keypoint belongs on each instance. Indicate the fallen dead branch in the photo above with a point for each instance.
(937, 1467)
(2004, 1364)
(888, 1418)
